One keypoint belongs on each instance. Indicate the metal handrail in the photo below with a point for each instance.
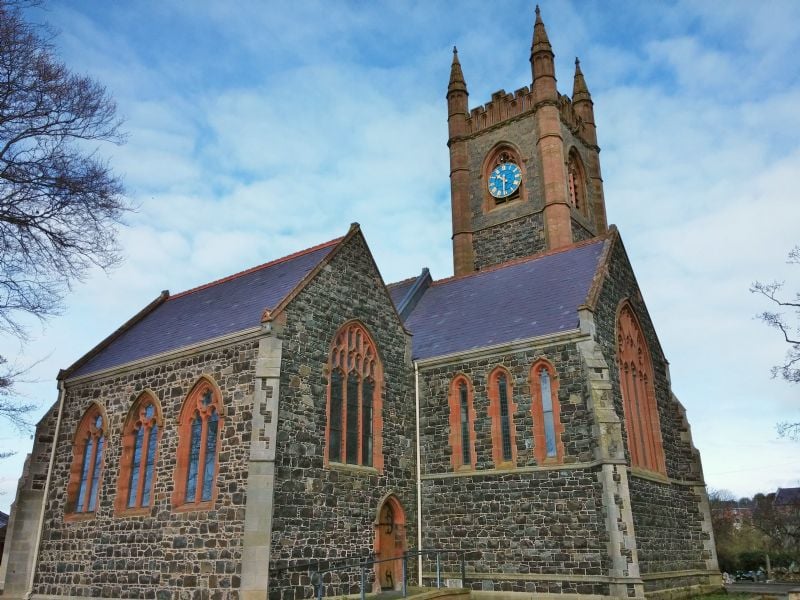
(364, 565)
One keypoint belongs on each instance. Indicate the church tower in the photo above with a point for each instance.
(524, 167)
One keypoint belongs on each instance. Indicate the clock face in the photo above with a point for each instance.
(504, 180)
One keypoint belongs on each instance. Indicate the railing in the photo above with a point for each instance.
(368, 563)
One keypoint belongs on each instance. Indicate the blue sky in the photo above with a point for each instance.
(260, 128)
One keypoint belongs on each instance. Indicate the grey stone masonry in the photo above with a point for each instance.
(26, 511)
(507, 241)
(536, 528)
(327, 512)
(164, 554)
(672, 532)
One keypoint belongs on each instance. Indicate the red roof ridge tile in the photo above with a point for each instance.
(256, 268)
(524, 259)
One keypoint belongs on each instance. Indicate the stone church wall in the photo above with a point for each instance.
(667, 518)
(329, 512)
(515, 229)
(507, 241)
(165, 554)
(520, 523)
(23, 525)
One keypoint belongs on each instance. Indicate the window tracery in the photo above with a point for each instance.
(354, 428)
(638, 394)
(140, 438)
(199, 429)
(576, 183)
(87, 463)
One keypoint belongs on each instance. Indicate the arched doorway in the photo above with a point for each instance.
(390, 542)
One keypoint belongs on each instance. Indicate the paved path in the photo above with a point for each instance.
(772, 589)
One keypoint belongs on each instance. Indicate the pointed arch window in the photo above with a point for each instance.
(88, 446)
(199, 428)
(503, 154)
(140, 437)
(462, 423)
(638, 394)
(354, 432)
(501, 412)
(546, 412)
(576, 183)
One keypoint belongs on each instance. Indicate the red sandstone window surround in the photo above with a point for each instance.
(140, 437)
(502, 153)
(354, 432)
(576, 183)
(88, 446)
(546, 412)
(462, 423)
(638, 394)
(199, 432)
(501, 412)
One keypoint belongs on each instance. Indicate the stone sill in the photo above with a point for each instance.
(360, 469)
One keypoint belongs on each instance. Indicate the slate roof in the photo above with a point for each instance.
(787, 496)
(222, 307)
(399, 289)
(515, 301)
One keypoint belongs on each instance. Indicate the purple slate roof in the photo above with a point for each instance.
(787, 496)
(222, 307)
(516, 301)
(399, 289)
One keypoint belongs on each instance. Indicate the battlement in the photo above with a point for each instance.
(568, 115)
(505, 106)
(502, 106)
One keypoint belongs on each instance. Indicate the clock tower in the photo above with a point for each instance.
(524, 167)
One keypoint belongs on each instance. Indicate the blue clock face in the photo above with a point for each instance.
(504, 180)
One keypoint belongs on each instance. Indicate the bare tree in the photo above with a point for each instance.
(778, 319)
(60, 202)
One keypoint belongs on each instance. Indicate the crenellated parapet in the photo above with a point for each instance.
(568, 115)
(505, 106)
(501, 107)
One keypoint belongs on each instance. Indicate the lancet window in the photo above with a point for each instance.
(462, 423)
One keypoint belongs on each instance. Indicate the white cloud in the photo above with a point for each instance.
(259, 130)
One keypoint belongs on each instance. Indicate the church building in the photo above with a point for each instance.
(266, 435)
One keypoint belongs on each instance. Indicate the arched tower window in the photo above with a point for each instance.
(501, 412)
(576, 183)
(199, 429)
(638, 394)
(354, 433)
(546, 412)
(88, 446)
(462, 423)
(140, 436)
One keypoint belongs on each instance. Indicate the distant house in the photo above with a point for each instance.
(787, 498)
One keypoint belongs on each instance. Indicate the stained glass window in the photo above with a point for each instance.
(505, 420)
(464, 418)
(198, 446)
(87, 466)
(638, 394)
(353, 398)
